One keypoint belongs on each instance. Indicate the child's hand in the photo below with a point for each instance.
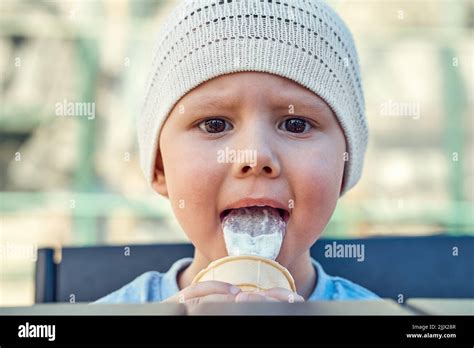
(270, 295)
(206, 291)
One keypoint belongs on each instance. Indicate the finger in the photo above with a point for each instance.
(203, 289)
(252, 297)
(194, 302)
(282, 294)
(217, 298)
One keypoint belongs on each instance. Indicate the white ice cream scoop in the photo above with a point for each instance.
(253, 237)
(254, 231)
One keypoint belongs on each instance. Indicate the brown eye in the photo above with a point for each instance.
(214, 125)
(296, 125)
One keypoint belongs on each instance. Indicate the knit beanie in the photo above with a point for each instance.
(302, 40)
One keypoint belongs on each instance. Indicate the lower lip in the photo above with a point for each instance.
(285, 217)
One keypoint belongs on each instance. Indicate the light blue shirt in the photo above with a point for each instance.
(155, 287)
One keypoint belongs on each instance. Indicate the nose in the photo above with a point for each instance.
(260, 155)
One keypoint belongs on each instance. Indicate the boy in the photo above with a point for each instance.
(279, 79)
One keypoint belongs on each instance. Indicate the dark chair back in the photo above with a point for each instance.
(435, 266)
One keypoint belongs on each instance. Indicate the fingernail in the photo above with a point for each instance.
(234, 290)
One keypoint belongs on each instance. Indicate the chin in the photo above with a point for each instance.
(218, 255)
(287, 257)
(283, 260)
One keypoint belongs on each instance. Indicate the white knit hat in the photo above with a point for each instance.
(302, 40)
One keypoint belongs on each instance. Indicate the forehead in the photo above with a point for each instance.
(258, 87)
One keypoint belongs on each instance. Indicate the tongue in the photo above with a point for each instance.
(254, 231)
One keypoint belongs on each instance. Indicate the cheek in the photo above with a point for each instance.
(193, 178)
(191, 168)
(315, 184)
(317, 195)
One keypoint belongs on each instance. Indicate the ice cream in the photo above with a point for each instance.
(254, 231)
(253, 238)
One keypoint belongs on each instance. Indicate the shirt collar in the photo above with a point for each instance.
(323, 284)
(169, 282)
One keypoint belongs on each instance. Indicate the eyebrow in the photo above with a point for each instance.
(224, 102)
(280, 102)
(306, 104)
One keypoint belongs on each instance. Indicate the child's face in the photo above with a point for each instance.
(298, 163)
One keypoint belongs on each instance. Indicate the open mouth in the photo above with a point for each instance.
(284, 214)
(254, 230)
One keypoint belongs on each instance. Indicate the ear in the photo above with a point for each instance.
(342, 185)
(343, 177)
(159, 178)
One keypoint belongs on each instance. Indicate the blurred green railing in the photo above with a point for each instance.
(453, 216)
(92, 206)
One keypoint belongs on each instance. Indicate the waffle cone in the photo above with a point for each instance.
(248, 272)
